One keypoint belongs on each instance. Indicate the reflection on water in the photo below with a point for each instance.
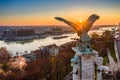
(14, 47)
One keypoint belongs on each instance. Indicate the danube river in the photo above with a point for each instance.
(27, 46)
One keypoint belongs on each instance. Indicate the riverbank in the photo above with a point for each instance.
(30, 45)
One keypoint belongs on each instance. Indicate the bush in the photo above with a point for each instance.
(5, 66)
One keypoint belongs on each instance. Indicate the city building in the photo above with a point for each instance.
(25, 32)
(9, 33)
(54, 50)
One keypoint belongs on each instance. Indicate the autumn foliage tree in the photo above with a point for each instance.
(44, 68)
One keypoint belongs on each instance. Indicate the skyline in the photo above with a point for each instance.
(42, 12)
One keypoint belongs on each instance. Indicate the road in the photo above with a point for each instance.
(117, 50)
(112, 65)
(117, 43)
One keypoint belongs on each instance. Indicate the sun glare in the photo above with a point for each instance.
(80, 21)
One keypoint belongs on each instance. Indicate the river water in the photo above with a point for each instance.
(28, 46)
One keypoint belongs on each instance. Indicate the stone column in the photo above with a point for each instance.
(99, 61)
(74, 62)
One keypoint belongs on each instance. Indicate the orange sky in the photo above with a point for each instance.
(15, 14)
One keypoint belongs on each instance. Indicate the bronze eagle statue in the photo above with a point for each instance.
(83, 43)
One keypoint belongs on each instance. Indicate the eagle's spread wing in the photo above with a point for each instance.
(73, 25)
(89, 22)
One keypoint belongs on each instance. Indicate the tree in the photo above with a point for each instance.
(4, 55)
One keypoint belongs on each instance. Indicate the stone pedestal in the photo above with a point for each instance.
(85, 63)
(99, 61)
(75, 65)
(87, 66)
